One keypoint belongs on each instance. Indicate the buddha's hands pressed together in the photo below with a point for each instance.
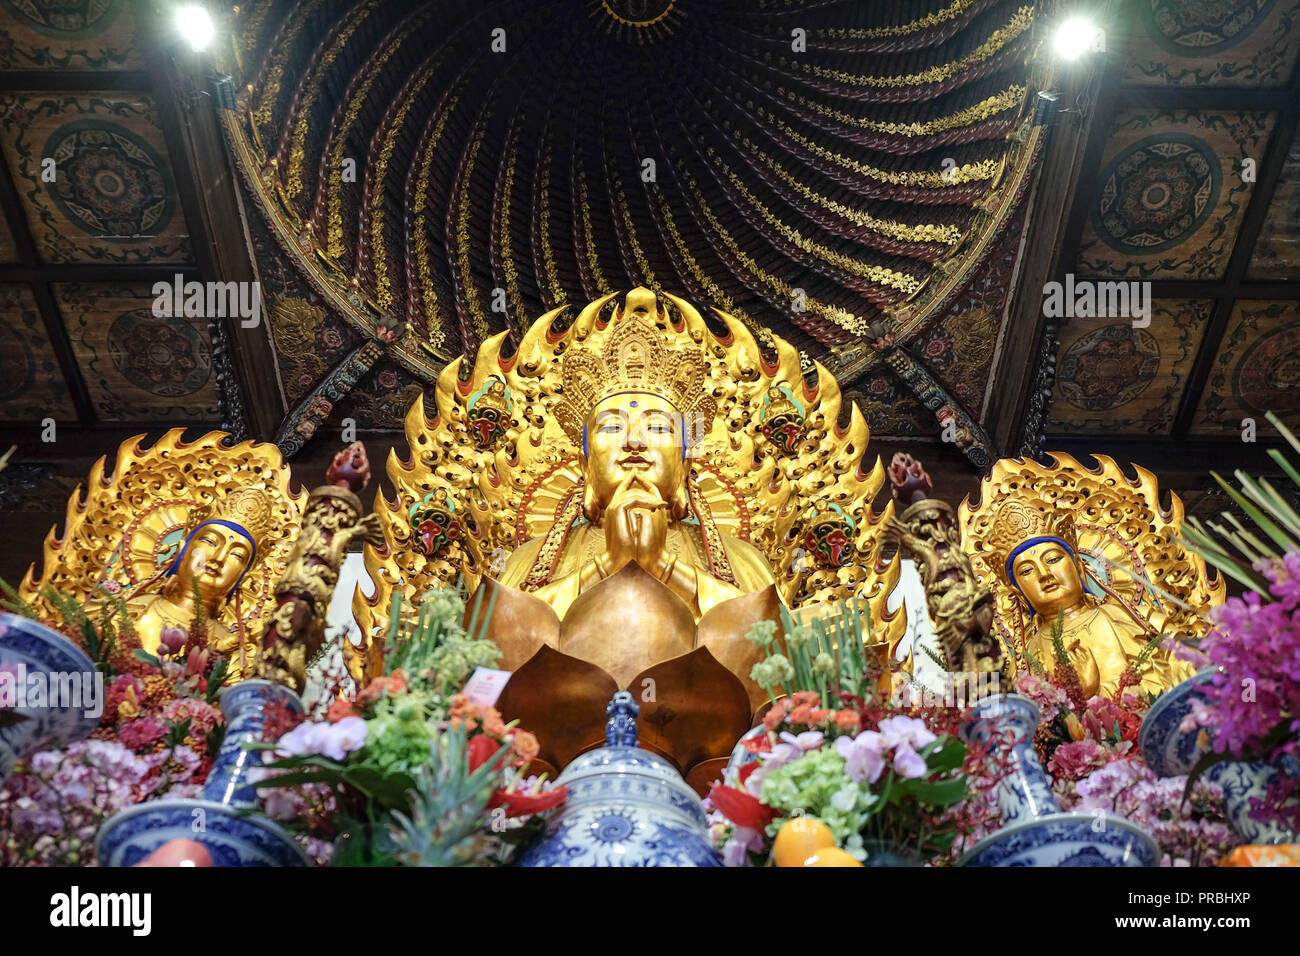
(636, 526)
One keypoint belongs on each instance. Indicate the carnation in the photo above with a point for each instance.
(1049, 697)
(1077, 759)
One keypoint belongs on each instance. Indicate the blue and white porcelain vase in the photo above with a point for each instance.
(625, 807)
(51, 693)
(1167, 750)
(225, 820)
(1035, 833)
(1172, 752)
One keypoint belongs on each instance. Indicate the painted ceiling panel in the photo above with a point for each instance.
(1113, 377)
(31, 385)
(93, 177)
(1277, 253)
(1222, 43)
(137, 365)
(1257, 369)
(86, 35)
(1169, 196)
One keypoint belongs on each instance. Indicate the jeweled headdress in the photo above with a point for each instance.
(249, 508)
(636, 359)
(1018, 523)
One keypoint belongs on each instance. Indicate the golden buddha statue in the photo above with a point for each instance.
(637, 410)
(212, 561)
(641, 518)
(173, 524)
(1093, 550)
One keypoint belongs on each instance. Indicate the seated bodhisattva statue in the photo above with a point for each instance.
(629, 496)
(636, 410)
(182, 532)
(1094, 550)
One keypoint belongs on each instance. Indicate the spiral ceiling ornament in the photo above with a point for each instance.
(453, 169)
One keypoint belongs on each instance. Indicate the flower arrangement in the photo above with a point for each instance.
(158, 734)
(409, 770)
(1092, 758)
(1254, 707)
(834, 748)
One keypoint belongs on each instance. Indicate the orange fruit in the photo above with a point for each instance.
(831, 856)
(798, 839)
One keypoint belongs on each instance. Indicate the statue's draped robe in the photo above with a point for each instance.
(1108, 639)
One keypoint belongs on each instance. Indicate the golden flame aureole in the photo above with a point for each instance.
(506, 484)
(131, 522)
(1114, 522)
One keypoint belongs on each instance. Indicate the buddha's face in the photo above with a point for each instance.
(1048, 576)
(635, 433)
(214, 560)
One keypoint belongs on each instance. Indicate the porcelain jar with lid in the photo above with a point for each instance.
(625, 807)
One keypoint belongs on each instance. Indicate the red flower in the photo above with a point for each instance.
(777, 714)
(762, 744)
(522, 805)
(740, 808)
(144, 732)
(339, 709)
(744, 772)
(482, 749)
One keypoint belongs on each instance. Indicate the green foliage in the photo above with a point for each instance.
(447, 808)
(826, 654)
(436, 647)
(14, 603)
(1234, 548)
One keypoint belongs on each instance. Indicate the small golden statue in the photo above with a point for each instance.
(633, 516)
(177, 523)
(1094, 550)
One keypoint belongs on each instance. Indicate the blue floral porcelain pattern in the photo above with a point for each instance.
(245, 708)
(41, 651)
(1242, 783)
(1166, 750)
(1025, 792)
(1034, 832)
(1170, 752)
(626, 807)
(1066, 839)
(233, 838)
(225, 821)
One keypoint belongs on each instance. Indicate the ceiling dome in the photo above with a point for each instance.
(456, 169)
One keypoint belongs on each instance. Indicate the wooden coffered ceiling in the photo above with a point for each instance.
(1189, 180)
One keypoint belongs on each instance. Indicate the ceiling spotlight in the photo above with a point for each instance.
(1076, 36)
(195, 25)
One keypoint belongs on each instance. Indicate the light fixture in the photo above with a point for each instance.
(195, 25)
(1076, 36)
(1045, 107)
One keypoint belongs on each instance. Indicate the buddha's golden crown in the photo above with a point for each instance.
(250, 508)
(1017, 520)
(636, 358)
